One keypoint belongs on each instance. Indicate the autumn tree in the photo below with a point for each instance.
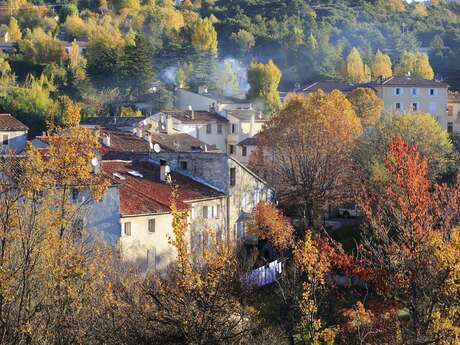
(381, 66)
(354, 70)
(366, 105)
(264, 80)
(268, 223)
(195, 302)
(423, 130)
(14, 32)
(204, 36)
(311, 141)
(411, 244)
(40, 48)
(415, 64)
(50, 280)
(70, 112)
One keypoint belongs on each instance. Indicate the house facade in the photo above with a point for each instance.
(145, 217)
(412, 94)
(243, 189)
(453, 113)
(13, 134)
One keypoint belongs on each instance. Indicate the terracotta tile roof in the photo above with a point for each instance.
(9, 123)
(112, 121)
(147, 194)
(197, 117)
(123, 145)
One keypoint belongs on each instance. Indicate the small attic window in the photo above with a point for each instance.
(119, 176)
(135, 173)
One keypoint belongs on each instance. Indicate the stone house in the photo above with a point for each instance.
(145, 218)
(243, 189)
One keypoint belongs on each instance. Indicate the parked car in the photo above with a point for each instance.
(347, 212)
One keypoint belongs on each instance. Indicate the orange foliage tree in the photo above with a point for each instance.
(311, 141)
(412, 247)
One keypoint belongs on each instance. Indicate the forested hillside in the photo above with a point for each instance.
(123, 48)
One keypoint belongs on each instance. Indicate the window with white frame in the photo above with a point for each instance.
(127, 228)
(397, 106)
(208, 128)
(398, 91)
(415, 106)
(415, 91)
(152, 226)
(432, 92)
(450, 127)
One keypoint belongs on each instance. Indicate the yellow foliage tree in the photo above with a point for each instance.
(204, 36)
(420, 10)
(354, 69)
(264, 80)
(416, 64)
(70, 113)
(381, 66)
(14, 33)
(366, 105)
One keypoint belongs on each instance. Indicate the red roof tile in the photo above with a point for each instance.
(9, 123)
(147, 194)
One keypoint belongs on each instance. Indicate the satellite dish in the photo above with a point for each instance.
(94, 162)
(156, 148)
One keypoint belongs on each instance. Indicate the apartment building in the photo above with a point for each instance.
(401, 94)
(413, 94)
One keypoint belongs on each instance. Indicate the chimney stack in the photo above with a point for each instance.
(192, 112)
(165, 171)
(106, 140)
(169, 124)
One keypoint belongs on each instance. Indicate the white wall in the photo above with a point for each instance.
(17, 140)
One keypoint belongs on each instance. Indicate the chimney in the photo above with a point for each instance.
(164, 171)
(169, 124)
(192, 112)
(106, 140)
(202, 89)
(252, 129)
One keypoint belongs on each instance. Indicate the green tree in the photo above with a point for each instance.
(204, 36)
(381, 66)
(354, 70)
(137, 67)
(226, 81)
(244, 40)
(40, 48)
(418, 129)
(264, 80)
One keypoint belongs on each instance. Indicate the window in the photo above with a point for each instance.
(398, 106)
(450, 110)
(208, 128)
(231, 149)
(415, 106)
(183, 165)
(152, 258)
(205, 212)
(432, 92)
(193, 212)
(5, 140)
(74, 195)
(219, 128)
(450, 127)
(398, 91)
(232, 176)
(218, 211)
(151, 226)
(414, 92)
(127, 229)
(244, 151)
(234, 128)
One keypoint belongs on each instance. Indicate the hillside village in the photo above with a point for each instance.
(229, 172)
